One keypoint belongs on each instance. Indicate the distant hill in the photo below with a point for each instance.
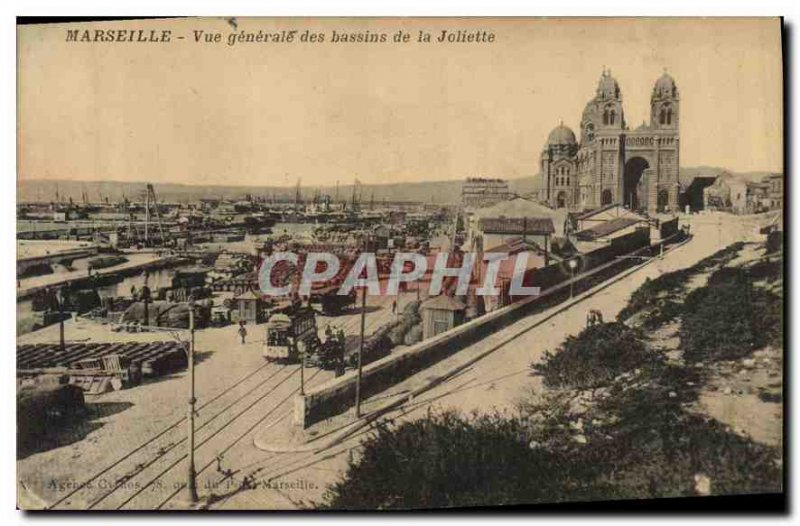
(438, 192)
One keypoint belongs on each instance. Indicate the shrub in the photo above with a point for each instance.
(769, 270)
(718, 322)
(774, 242)
(595, 357)
(657, 296)
(768, 320)
(652, 447)
(448, 460)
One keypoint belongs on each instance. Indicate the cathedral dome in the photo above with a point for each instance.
(665, 85)
(561, 135)
(607, 88)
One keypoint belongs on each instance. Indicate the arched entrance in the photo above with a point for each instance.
(634, 168)
(663, 199)
(561, 200)
(606, 198)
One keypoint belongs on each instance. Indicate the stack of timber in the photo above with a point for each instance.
(113, 365)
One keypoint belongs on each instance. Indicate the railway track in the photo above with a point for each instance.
(142, 478)
(175, 479)
(123, 473)
(150, 476)
(275, 466)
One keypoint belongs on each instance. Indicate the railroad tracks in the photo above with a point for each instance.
(149, 476)
(152, 475)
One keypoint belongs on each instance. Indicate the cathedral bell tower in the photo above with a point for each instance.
(664, 104)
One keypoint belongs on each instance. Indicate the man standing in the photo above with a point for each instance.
(242, 331)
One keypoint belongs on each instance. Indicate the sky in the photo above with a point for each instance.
(273, 113)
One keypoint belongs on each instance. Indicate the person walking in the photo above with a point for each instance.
(394, 306)
(242, 332)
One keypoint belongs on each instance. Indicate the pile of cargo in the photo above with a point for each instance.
(101, 367)
(106, 261)
(42, 407)
(406, 330)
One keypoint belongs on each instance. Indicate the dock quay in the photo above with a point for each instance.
(40, 283)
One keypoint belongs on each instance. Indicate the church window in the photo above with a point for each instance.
(605, 117)
(662, 118)
(612, 117)
(669, 116)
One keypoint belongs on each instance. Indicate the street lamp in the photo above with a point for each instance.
(361, 349)
(302, 348)
(191, 482)
(60, 297)
(361, 342)
(573, 264)
(192, 500)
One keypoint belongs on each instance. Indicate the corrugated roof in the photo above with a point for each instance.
(249, 295)
(606, 228)
(590, 213)
(513, 246)
(442, 303)
(517, 225)
(519, 207)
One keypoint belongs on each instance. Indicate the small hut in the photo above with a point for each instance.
(440, 314)
(251, 307)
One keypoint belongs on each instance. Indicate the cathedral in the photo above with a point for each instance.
(612, 163)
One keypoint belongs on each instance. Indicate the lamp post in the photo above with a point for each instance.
(361, 349)
(60, 301)
(361, 342)
(191, 474)
(573, 264)
(302, 368)
(191, 500)
(146, 299)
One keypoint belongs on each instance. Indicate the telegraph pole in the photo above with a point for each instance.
(191, 482)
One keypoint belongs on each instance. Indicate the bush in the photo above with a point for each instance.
(657, 296)
(718, 322)
(774, 242)
(768, 322)
(595, 357)
(448, 460)
(651, 447)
